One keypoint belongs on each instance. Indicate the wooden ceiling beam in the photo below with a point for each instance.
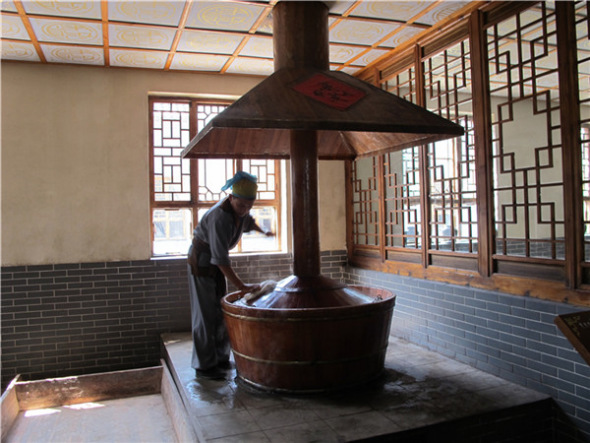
(178, 34)
(263, 15)
(403, 26)
(104, 10)
(27, 23)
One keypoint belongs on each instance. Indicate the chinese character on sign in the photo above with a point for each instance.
(330, 91)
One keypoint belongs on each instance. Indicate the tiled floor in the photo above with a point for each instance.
(419, 388)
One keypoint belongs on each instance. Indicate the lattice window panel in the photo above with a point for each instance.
(206, 112)
(403, 219)
(177, 205)
(171, 173)
(267, 173)
(403, 213)
(365, 205)
(583, 47)
(527, 169)
(451, 163)
(586, 195)
(403, 84)
(213, 173)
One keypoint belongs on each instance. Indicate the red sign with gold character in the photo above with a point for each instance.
(329, 91)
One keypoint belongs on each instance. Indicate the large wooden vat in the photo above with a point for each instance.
(317, 349)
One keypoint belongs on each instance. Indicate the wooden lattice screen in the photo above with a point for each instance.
(511, 198)
(170, 133)
(583, 53)
(451, 163)
(527, 149)
(401, 171)
(182, 189)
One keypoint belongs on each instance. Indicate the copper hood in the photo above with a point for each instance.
(305, 112)
(351, 117)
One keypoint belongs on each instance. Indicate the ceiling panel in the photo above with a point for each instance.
(231, 36)
(223, 15)
(399, 11)
(88, 9)
(344, 53)
(368, 57)
(21, 51)
(13, 28)
(73, 54)
(402, 35)
(251, 66)
(138, 59)
(361, 32)
(208, 42)
(65, 31)
(149, 12)
(258, 47)
(199, 62)
(128, 36)
(440, 12)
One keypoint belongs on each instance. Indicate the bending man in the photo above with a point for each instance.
(217, 233)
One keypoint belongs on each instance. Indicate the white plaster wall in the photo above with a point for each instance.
(75, 171)
(332, 198)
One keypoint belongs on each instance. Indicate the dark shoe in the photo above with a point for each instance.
(210, 374)
(225, 365)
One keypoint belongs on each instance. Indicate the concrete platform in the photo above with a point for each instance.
(422, 396)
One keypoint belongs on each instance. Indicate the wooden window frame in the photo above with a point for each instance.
(195, 204)
(573, 282)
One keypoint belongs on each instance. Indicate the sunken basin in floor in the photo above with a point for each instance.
(338, 340)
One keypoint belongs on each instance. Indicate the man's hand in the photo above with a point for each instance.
(246, 289)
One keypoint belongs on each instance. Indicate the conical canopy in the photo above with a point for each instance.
(352, 118)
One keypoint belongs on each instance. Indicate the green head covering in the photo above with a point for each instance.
(243, 185)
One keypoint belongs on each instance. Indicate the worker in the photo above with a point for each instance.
(209, 265)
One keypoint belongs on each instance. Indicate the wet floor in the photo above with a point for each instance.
(418, 388)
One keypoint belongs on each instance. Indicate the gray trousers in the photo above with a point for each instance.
(210, 339)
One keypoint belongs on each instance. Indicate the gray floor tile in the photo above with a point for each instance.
(418, 388)
(363, 425)
(314, 431)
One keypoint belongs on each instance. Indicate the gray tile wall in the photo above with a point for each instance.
(73, 319)
(513, 337)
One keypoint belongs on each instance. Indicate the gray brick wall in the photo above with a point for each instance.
(513, 337)
(73, 319)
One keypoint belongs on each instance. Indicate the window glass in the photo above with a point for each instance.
(365, 205)
(172, 231)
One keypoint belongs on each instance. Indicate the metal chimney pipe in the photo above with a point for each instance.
(301, 35)
(300, 39)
